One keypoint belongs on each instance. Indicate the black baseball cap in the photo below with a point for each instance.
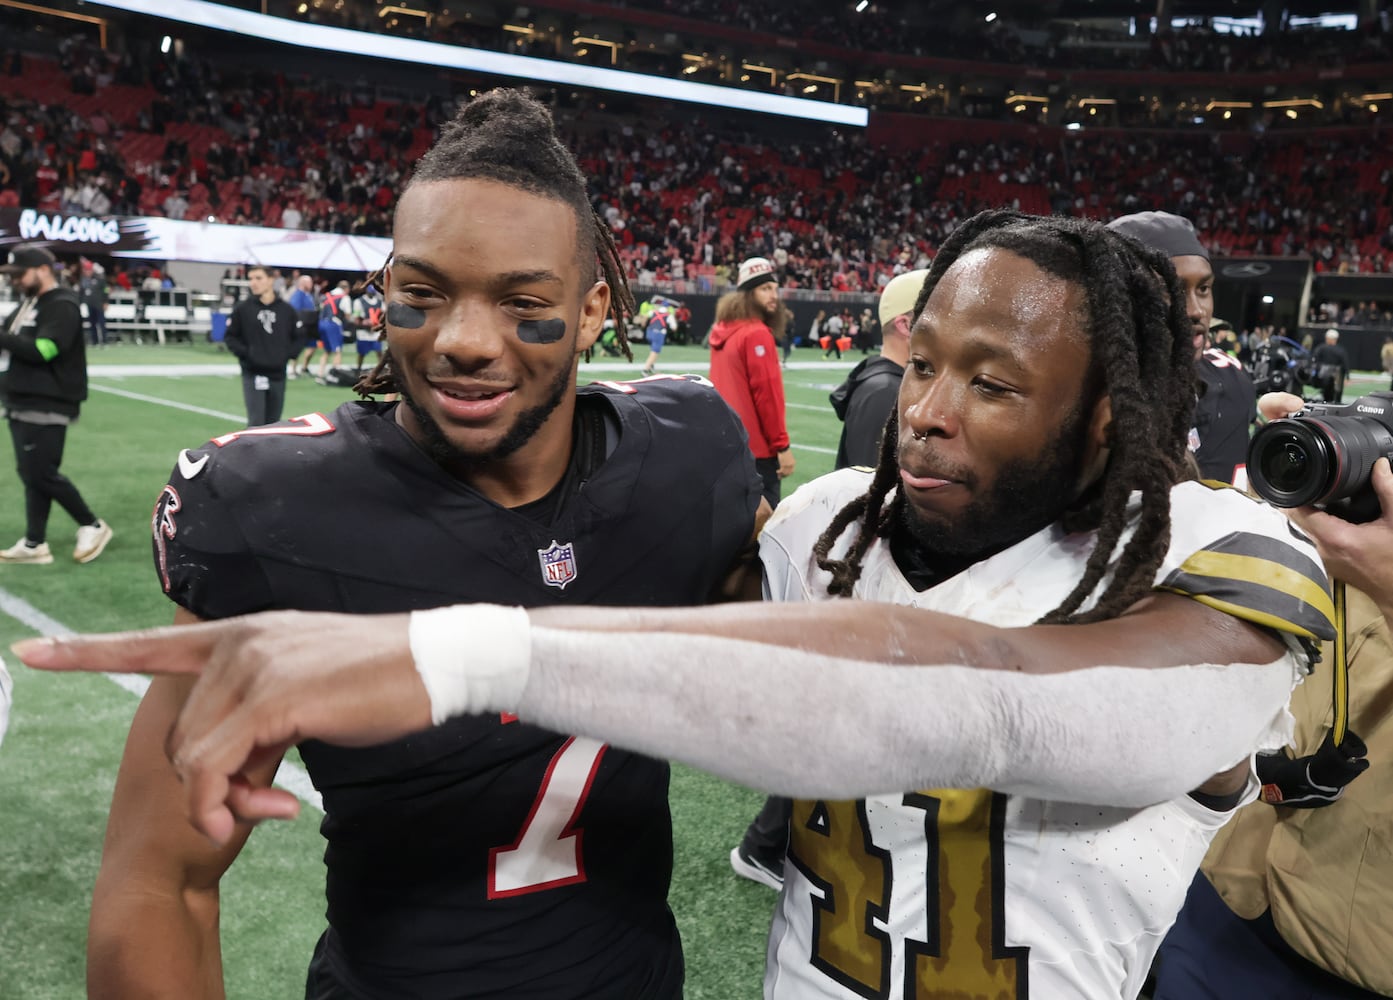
(1173, 235)
(27, 255)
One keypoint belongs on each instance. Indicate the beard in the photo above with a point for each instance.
(450, 456)
(1026, 497)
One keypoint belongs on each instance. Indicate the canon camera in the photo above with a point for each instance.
(1324, 455)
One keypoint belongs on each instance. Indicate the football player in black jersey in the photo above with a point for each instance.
(1227, 403)
(490, 858)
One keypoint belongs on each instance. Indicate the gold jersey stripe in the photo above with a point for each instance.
(1265, 573)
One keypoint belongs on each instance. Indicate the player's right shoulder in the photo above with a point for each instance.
(813, 505)
(272, 456)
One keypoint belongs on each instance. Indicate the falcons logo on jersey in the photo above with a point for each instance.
(163, 528)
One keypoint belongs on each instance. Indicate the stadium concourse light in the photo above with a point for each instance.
(991, 17)
(339, 40)
(862, 5)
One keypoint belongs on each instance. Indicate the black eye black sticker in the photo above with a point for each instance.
(541, 331)
(407, 317)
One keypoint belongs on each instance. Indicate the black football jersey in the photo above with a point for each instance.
(484, 857)
(1224, 415)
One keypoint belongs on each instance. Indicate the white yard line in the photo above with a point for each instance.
(168, 402)
(290, 777)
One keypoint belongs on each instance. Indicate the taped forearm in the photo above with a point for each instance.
(787, 721)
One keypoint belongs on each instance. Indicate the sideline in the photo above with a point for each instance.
(289, 776)
(233, 418)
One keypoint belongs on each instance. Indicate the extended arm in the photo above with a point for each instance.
(153, 931)
(713, 689)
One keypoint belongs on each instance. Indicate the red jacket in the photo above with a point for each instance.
(745, 371)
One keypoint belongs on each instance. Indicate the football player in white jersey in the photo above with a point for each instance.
(1101, 645)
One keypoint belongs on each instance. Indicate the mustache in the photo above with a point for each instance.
(942, 468)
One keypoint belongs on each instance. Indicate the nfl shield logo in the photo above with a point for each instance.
(558, 564)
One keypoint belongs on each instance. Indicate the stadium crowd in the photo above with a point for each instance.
(1026, 38)
(102, 132)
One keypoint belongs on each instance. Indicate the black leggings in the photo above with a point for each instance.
(38, 453)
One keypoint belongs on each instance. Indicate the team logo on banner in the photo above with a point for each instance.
(558, 564)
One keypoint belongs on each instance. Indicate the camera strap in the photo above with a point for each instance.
(1339, 694)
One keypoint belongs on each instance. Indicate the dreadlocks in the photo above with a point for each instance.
(1140, 357)
(510, 137)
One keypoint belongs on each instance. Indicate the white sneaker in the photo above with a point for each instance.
(91, 539)
(748, 866)
(22, 552)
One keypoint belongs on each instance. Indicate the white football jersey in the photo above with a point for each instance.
(973, 893)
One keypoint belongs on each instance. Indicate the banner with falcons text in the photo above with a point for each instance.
(157, 238)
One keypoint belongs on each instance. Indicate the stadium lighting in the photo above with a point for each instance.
(862, 5)
(1074, 126)
(532, 69)
(1267, 300)
(165, 43)
(991, 17)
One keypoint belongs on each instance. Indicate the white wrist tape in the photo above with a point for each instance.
(472, 658)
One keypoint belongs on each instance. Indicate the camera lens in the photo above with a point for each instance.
(1316, 459)
(1292, 462)
(1285, 465)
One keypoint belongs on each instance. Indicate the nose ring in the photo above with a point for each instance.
(919, 437)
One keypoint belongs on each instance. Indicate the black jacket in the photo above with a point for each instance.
(864, 402)
(56, 383)
(263, 337)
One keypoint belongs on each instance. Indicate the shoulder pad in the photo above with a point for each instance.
(1244, 558)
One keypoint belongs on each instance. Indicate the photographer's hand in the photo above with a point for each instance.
(1315, 780)
(1275, 405)
(1359, 554)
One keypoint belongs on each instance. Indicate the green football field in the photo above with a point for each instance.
(58, 763)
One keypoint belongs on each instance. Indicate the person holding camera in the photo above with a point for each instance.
(1296, 891)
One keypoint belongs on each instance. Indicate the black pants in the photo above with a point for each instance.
(1214, 954)
(767, 835)
(38, 453)
(768, 469)
(264, 406)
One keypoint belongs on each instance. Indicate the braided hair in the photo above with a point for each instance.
(1141, 357)
(508, 136)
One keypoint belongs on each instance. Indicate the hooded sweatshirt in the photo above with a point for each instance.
(43, 356)
(263, 337)
(745, 371)
(863, 403)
